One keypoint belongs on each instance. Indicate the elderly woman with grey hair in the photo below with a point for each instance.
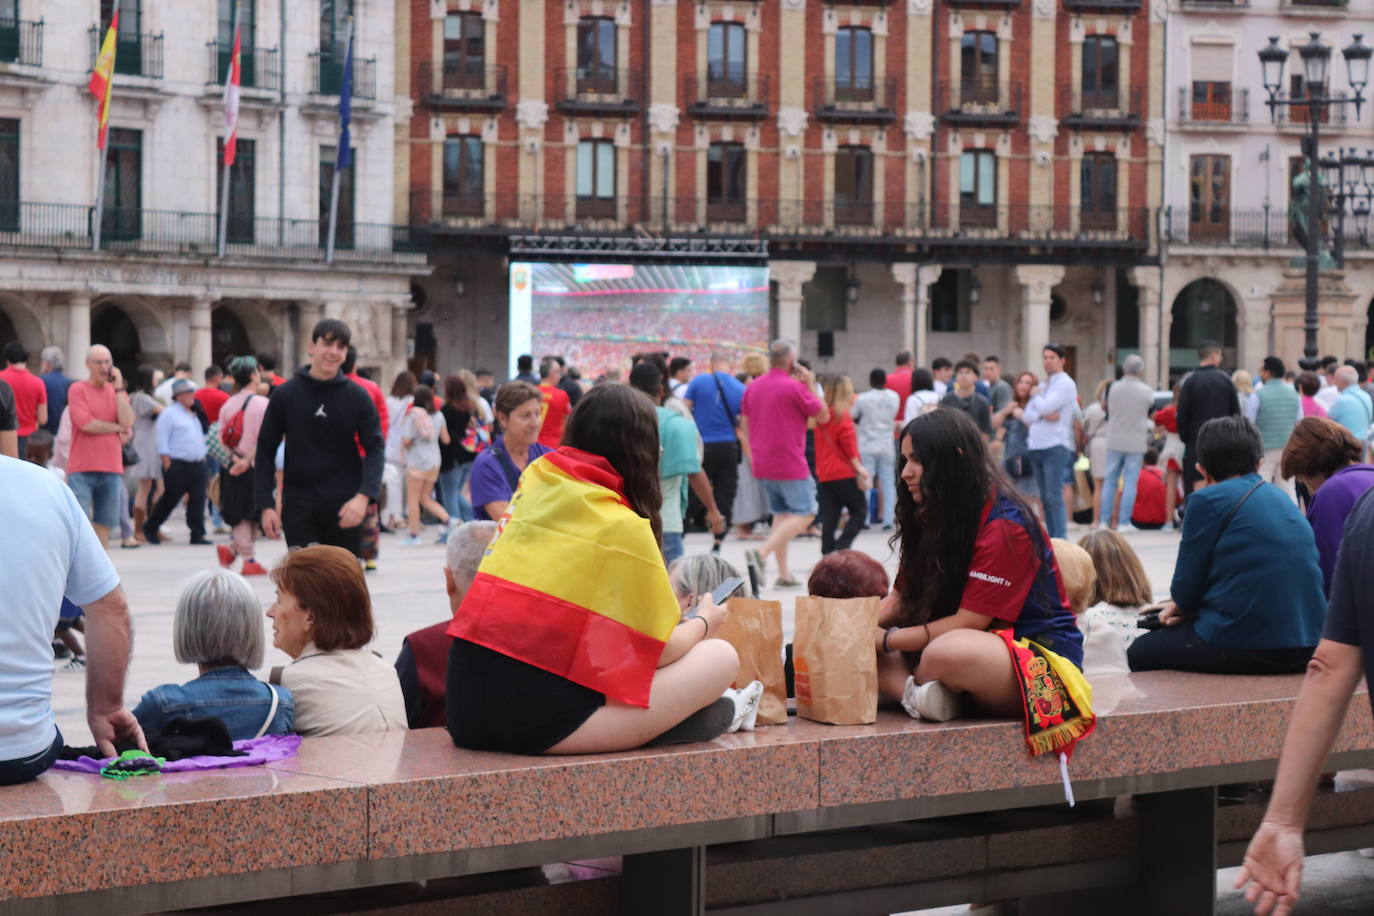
(698, 575)
(219, 628)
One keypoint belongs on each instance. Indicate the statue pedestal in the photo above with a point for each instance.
(1335, 316)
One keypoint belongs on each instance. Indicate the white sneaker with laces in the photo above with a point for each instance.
(931, 701)
(746, 700)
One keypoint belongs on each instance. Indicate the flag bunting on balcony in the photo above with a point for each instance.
(102, 79)
(232, 81)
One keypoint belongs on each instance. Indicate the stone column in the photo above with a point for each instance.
(1255, 325)
(286, 347)
(78, 332)
(312, 310)
(1037, 280)
(790, 276)
(200, 344)
(915, 280)
(181, 332)
(400, 332)
(1146, 280)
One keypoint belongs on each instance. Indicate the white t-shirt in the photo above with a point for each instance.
(919, 402)
(875, 416)
(58, 555)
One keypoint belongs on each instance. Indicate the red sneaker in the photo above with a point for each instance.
(226, 555)
(252, 568)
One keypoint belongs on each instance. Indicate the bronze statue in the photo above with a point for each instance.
(1298, 205)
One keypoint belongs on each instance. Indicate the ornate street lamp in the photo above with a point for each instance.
(1315, 101)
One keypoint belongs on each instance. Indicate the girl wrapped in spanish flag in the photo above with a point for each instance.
(979, 620)
(571, 640)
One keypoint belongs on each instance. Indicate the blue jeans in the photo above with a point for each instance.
(672, 547)
(882, 467)
(13, 772)
(212, 469)
(1118, 463)
(1050, 465)
(451, 483)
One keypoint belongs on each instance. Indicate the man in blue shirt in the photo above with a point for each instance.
(57, 383)
(714, 398)
(181, 445)
(1353, 408)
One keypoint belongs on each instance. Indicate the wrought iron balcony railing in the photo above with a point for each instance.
(596, 90)
(741, 96)
(135, 54)
(1220, 227)
(259, 68)
(21, 42)
(979, 102)
(1216, 104)
(327, 74)
(863, 100)
(452, 86)
(1102, 108)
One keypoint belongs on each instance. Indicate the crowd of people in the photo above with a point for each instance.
(606, 643)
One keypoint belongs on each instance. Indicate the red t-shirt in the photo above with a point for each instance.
(899, 380)
(93, 451)
(554, 412)
(1168, 418)
(837, 445)
(29, 392)
(1149, 497)
(212, 399)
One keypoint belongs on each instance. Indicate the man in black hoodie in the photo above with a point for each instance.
(1207, 393)
(327, 482)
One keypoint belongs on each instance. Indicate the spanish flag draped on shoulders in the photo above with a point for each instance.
(573, 582)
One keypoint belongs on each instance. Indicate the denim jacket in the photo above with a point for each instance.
(232, 694)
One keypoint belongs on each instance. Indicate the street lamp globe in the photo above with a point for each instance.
(1316, 57)
(1357, 55)
(1272, 60)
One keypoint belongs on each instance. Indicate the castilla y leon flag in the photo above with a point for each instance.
(102, 77)
(231, 98)
(574, 582)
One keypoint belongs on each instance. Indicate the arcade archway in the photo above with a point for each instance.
(1203, 310)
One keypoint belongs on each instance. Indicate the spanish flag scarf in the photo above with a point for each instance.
(574, 581)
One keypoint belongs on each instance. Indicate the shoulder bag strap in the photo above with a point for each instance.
(1236, 508)
(271, 713)
(507, 467)
(725, 402)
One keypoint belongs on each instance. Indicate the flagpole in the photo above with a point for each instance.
(224, 182)
(338, 155)
(99, 198)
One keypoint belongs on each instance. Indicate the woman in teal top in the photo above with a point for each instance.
(1247, 588)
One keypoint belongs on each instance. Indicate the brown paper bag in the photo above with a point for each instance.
(754, 628)
(836, 665)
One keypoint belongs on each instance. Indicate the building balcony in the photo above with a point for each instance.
(327, 69)
(867, 101)
(1217, 6)
(592, 91)
(1105, 6)
(1231, 106)
(259, 68)
(1298, 116)
(1261, 229)
(979, 103)
(453, 87)
(21, 42)
(984, 4)
(739, 96)
(1121, 108)
(135, 55)
(945, 226)
(175, 233)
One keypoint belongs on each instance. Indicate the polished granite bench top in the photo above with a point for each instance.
(398, 794)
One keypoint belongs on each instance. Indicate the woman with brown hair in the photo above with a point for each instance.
(496, 472)
(1324, 456)
(570, 640)
(423, 433)
(1122, 590)
(1015, 461)
(322, 618)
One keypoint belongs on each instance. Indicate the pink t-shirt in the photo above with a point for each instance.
(777, 407)
(99, 451)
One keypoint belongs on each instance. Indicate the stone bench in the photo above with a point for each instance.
(375, 810)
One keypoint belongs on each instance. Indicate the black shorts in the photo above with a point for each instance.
(304, 524)
(497, 703)
(236, 498)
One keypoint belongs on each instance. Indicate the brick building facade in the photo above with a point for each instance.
(967, 175)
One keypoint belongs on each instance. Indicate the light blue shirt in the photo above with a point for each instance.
(179, 435)
(53, 554)
(1354, 410)
(1059, 396)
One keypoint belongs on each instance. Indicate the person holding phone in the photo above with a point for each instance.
(586, 651)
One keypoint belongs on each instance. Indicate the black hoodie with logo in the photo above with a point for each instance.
(324, 422)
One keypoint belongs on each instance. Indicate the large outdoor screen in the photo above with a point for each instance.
(597, 315)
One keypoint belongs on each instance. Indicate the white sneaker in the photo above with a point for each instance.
(1127, 528)
(746, 700)
(931, 701)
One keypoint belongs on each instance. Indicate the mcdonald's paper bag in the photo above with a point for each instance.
(754, 628)
(836, 665)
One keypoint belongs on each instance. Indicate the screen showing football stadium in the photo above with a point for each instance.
(596, 316)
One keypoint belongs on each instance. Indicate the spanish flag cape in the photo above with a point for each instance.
(574, 581)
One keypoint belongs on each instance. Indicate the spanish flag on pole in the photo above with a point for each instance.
(102, 77)
(574, 581)
(231, 95)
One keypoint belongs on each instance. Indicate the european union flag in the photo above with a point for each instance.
(344, 155)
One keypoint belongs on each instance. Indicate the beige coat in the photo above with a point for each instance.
(344, 692)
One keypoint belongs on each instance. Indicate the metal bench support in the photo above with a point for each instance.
(667, 883)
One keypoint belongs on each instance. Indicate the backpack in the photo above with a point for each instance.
(476, 438)
(424, 424)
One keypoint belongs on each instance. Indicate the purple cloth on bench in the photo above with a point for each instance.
(259, 751)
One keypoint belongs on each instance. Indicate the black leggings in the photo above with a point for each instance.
(835, 495)
(1180, 648)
